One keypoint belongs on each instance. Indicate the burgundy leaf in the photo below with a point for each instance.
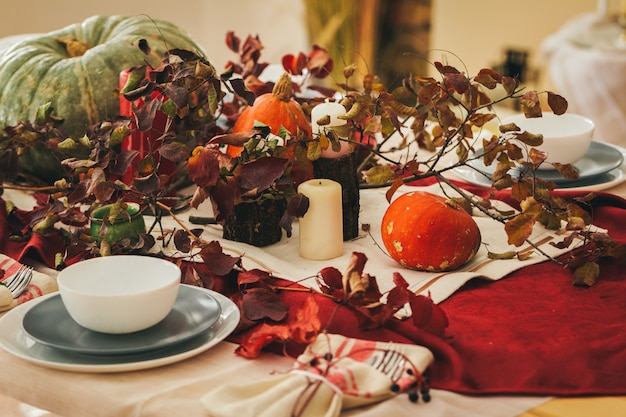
(216, 260)
(146, 113)
(179, 95)
(260, 303)
(174, 151)
(148, 184)
(223, 198)
(298, 205)
(103, 191)
(445, 69)
(182, 242)
(123, 161)
(261, 173)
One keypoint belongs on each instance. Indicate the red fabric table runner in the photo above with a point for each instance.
(534, 332)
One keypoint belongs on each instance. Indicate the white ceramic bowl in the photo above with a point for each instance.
(119, 294)
(566, 138)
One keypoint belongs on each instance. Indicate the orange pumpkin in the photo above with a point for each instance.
(426, 232)
(274, 109)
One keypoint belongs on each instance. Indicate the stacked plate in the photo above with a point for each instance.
(42, 332)
(598, 169)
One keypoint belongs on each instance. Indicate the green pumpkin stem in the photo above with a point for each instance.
(283, 88)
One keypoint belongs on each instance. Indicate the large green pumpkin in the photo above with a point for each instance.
(82, 89)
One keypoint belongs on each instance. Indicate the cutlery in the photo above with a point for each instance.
(18, 282)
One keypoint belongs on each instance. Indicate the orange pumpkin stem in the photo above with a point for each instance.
(283, 88)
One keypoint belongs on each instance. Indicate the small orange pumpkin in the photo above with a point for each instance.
(426, 232)
(274, 109)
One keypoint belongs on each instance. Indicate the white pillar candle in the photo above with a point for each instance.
(333, 110)
(321, 227)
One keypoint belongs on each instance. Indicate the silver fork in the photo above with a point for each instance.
(390, 361)
(18, 282)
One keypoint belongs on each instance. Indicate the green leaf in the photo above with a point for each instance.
(169, 108)
(135, 77)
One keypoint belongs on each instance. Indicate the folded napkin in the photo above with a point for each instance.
(41, 284)
(333, 374)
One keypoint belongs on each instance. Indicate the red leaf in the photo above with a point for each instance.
(232, 41)
(397, 297)
(399, 280)
(302, 327)
(203, 167)
(331, 278)
(294, 64)
(427, 315)
(251, 277)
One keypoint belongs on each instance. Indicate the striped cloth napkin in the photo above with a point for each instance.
(41, 284)
(335, 373)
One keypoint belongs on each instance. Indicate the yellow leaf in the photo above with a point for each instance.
(519, 228)
(324, 142)
(379, 175)
(531, 206)
(504, 255)
(313, 150)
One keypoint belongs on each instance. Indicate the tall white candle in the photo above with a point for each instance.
(321, 227)
(333, 110)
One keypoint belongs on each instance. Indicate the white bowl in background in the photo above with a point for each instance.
(119, 294)
(566, 138)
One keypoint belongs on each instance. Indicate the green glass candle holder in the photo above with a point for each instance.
(130, 226)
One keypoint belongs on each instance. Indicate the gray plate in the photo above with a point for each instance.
(50, 324)
(599, 160)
